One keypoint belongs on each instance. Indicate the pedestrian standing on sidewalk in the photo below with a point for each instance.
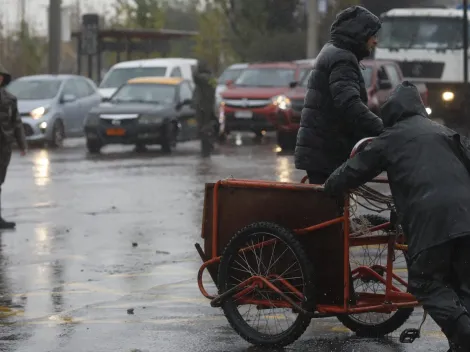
(204, 100)
(11, 130)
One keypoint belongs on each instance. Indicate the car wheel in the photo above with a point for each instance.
(286, 140)
(58, 135)
(169, 141)
(140, 148)
(93, 147)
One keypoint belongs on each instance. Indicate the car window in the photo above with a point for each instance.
(230, 74)
(34, 89)
(266, 77)
(176, 72)
(83, 88)
(146, 93)
(382, 75)
(393, 74)
(70, 88)
(185, 92)
(119, 76)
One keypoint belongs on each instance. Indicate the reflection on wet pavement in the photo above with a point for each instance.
(103, 258)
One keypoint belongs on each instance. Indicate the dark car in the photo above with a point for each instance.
(144, 111)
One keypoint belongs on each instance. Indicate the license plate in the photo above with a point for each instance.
(243, 114)
(115, 131)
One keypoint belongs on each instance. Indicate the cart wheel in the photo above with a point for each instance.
(266, 320)
(376, 324)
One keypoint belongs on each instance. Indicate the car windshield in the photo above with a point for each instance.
(28, 89)
(145, 93)
(421, 33)
(120, 76)
(266, 77)
(366, 73)
(230, 74)
(304, 73)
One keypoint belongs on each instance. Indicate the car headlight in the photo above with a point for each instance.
(38, 112)
(148, 119)
(282, 102)
(429, 110)
(448, 96)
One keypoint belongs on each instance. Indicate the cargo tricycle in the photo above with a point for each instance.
(281, 254)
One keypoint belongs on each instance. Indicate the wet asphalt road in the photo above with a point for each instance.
(100, 235)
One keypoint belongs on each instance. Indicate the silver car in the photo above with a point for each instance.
(54, 107)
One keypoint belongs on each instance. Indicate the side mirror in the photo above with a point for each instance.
(384, 84)
(68, 98)
(293, 84)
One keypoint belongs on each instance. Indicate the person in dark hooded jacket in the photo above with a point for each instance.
(11, 130)
(428, 169)
(335, 114)
(204, 100)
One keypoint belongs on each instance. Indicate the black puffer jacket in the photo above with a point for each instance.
(427, 167)
(11, 125)
(335, 114)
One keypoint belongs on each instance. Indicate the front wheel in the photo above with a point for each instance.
(58, 135)
(286, 140)
(93, 147)
(261, 316)
(169, 140)
(375, 324)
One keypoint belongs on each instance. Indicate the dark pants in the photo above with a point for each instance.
(5, 157)
(439, 278)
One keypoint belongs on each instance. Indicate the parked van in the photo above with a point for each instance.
(122, 72)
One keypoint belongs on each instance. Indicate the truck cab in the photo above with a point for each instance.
(427, 44)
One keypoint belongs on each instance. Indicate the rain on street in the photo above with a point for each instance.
(103, 256)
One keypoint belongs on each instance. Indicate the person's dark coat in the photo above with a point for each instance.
(426, 167)
(204, 94)
(11, 125)
(335, 114)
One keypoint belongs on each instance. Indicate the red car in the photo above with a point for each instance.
(251, 102)
(380, 78)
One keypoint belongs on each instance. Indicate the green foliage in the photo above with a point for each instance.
(25, 44)
(146, 14)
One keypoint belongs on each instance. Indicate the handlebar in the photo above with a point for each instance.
(361, 145)
(358, 148)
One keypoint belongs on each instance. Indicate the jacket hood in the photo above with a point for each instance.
(405, 101)
(6, 76)
(352, 29)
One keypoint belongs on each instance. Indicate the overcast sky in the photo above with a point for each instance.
(36, 11)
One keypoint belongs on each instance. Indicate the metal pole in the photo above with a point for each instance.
(55, 35)
(312, 30)
(465, 66)
(465, 43)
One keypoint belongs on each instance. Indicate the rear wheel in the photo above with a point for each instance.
(375, 256)
(264, 320)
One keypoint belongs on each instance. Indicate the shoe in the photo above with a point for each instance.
(6, 225)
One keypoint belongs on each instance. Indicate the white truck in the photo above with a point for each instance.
(427, 43)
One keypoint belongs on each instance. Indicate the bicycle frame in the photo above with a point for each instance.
(393, 298)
